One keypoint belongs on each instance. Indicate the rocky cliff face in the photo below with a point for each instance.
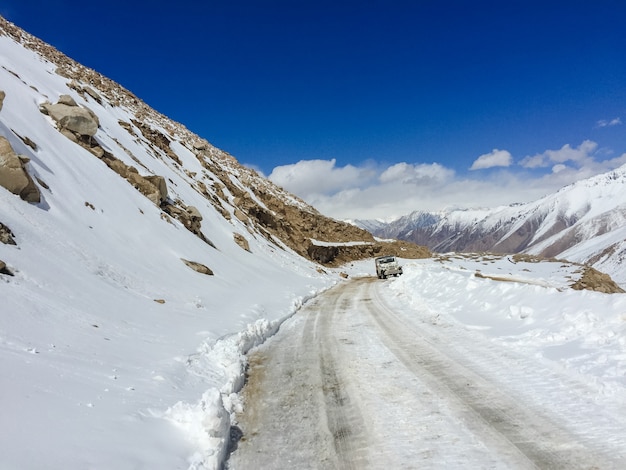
(93, 112)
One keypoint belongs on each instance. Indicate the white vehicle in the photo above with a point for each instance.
(387, 266)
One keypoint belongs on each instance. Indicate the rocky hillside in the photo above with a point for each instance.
(93, 112)
(138, 265)
(584, 222)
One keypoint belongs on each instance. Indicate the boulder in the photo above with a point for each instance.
(2, 95)
(160, 184)
(6, 236)
(13, 174)
(4, 269)
(200, 145)
(93, 94)
(194, 213)
(198, 267)
(81, 121)
(145, 187)
(241, 216)
(67, 100)
(241, 241)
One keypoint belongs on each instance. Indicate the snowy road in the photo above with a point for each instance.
(358, 380)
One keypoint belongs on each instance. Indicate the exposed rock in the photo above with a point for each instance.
(13, 174)
(4, 269)
(199, 267)
(160, 301)
(158, 139)
(93, 94)
(70, 135)
(160, 184)
(6, 236)
(26, 140)
(153, 187)
(194, 213)
(145, 187)
(128, 126)
(594, 280)
(200, 145)
(189, 216)
(72, 117)
(97, 151)
(42, 183)
(336, 255)
(241, 216)
(67, 100)
(322, 254)
(265, 209)
(241, 241)
(2, 95)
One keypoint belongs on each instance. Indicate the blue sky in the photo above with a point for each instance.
(458, 103)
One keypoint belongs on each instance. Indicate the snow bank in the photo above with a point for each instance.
(528, 307)
(207, 423)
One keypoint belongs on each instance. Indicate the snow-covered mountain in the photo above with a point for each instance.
(137, 264)
(582, 222)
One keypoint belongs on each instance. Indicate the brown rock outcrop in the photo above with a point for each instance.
(2, 95)
(4, 269)
(6, 236)
(198, 267)
(13, 174)
(68, 115)
(594, 280)
(241, 241)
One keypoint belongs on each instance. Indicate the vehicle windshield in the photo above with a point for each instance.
(391, 259)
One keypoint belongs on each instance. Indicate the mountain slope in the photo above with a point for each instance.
(138, 264)
(134, 140)
(582, 222)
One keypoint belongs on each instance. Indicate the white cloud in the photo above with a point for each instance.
(578, 155)
(609, 123)
(420, 174)
(536, 161)
(494, 158)
(316, 177)
(368, 191)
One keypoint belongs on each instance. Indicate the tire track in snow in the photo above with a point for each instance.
(525, 436)
(350, 383)
(343, 418)
(298, 413)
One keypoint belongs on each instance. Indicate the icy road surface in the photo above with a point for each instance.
(356, 381)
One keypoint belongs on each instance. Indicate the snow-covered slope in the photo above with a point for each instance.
(130, 291)
(583, 222)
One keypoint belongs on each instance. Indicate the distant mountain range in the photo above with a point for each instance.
(583, 222)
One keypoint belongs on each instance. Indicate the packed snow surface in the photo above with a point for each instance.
(478, 362)
(528, 306)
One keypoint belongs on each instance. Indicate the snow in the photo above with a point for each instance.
(527, 307)
(583, 222)
(115, 354)
(98, 374)
(321, 243)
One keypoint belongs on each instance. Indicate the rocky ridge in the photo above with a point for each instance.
(233, 190)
